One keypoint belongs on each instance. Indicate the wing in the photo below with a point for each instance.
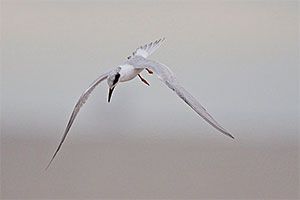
(166, 75)
(85, 95)
(147, 49)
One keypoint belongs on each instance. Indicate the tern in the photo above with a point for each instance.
(131, 68)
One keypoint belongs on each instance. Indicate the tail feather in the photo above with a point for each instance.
(147, 49)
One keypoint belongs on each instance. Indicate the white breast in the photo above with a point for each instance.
(128, 72)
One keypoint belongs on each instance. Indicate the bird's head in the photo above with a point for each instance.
(112, 80)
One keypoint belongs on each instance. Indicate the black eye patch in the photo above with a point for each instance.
(117, 76)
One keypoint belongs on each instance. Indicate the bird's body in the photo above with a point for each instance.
(128, 72)
(132, 68)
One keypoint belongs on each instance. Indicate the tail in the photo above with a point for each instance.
(147, 49)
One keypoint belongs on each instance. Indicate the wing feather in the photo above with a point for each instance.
(166, 75)
(83, 98)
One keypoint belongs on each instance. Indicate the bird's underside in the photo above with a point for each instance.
(135, 64)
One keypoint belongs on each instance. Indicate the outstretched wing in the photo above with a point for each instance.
(147, 49)
(166, 75)
(85, 95)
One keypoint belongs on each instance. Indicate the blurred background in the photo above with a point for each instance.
(240, 59)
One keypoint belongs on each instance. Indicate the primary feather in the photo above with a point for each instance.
(167, 76)
(85, 95)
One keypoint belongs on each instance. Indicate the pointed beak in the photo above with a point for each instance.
(110, 93)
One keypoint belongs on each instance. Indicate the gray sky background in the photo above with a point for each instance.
(240, 59)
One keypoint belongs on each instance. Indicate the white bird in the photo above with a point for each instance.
(129, 70)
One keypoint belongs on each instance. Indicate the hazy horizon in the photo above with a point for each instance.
(240, 59)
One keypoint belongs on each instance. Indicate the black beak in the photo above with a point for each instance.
(110, 93)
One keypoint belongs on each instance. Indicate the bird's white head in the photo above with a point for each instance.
(112, 80)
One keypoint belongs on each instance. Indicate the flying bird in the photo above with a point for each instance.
(131, 68)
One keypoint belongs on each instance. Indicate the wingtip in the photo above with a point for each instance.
(228, 134)
(47, 167)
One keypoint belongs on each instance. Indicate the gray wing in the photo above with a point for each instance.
(166, 75)
(85, 95)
